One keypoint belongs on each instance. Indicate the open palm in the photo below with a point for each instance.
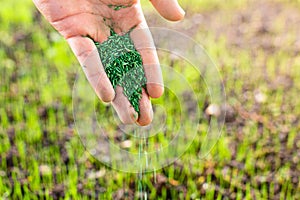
(75, 19)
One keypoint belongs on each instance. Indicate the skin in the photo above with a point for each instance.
(75, 19)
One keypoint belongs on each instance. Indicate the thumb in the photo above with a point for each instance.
(169, 9)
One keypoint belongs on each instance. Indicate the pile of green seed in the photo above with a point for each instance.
(123, 66)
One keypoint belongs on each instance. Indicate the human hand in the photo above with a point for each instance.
(75, 19)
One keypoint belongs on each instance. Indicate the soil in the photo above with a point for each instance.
(252, 29)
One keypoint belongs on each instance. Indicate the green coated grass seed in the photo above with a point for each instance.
(123, 66)
(117, 7)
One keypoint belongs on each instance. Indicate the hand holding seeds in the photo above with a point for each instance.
(84, 23)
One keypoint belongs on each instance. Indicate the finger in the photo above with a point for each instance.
(144, 44)
(146, 112)
(169, 9)
(87, 54)
(124, 109)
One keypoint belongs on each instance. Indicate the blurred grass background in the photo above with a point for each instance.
(256, 46)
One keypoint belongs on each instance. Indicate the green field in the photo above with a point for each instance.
(255, 45)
